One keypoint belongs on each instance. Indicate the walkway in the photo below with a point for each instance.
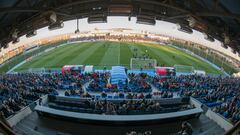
(35, 125)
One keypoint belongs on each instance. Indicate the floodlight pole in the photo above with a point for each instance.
(77, 24)
(77, 30)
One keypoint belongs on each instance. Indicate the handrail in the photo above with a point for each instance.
(6, 128)
(227, 120)
(119, 99)
(234, 130)
(21, 114)
(117, 118)
(24, 108)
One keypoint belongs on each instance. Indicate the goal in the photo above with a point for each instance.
(138, 63)
(36, 70)
(184, 69)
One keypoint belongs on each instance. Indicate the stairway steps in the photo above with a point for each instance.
(201, 126)
(20, 131)
(29, 131)
(211, 131)
(28, 123)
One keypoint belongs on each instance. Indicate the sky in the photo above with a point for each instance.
(161, 27)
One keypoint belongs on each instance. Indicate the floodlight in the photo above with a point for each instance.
(226, 38)
(191, 21)
(4, 45)
(234, 51)
(148, 20)
(15, 34)
(31, 33)
(184, 29)
(57, 25)
(97, 19)
(53, 17)
(224, 46)
(208, 37)
(16, 40)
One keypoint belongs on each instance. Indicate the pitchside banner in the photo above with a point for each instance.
(165, 71)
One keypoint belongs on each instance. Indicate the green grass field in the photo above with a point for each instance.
(114, 53)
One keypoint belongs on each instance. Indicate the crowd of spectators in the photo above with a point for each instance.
(125, 107)
(138, 83)
(220, 93)
(230, 109)
(118, 107)
(135, 83)
(99, 82)
(163, 94)
(20, 90)
(114, 95)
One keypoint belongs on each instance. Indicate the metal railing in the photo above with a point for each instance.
(234, 131)
(5, 127)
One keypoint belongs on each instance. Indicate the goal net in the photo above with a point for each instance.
(184, 69)
(137, 63)
(36, 70)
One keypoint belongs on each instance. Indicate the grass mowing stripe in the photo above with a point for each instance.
(176, 57)
(179, 57)
(197, 63)
(155, 53)
(56, 56)
(48, 62)
(119, 54)
(79, 56)
(132, 46)
(56, 52)
(71, 57)
(114, 53)
(97, 54)
(67, 56)
(111, 55)
(170, 57)
(43, 59)
(186, 59)
(125, 53)
(82, 58)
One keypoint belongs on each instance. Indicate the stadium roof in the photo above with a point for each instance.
(219, 19)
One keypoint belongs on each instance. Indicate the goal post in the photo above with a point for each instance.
(137, 63)
(184, 69)
(36, 70)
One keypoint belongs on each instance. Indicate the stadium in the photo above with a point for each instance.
(119, 67)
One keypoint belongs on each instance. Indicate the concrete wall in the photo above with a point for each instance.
(44, 99)
(221, 121)
(19, 116)
(195, 102)
(13, 120)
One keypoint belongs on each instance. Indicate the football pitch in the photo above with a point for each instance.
(109, 54)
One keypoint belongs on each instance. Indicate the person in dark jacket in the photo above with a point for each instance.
(186, 129)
